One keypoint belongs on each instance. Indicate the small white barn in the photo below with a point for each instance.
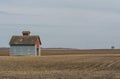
(25, 45)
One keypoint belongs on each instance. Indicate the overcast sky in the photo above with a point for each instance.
(83, 24)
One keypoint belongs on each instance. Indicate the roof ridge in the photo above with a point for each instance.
(24, 39)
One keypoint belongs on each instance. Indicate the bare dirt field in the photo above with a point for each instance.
(77, 52)
(4, 52)
(46, 52)
(95, 65)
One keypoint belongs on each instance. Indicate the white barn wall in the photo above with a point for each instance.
(23, 50)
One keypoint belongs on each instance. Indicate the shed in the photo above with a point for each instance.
(25, 45)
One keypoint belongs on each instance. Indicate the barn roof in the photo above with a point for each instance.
(24, 40)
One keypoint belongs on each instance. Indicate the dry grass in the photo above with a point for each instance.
(60, 67)
(62, 64)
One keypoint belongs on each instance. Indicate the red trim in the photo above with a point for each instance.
(38, 43)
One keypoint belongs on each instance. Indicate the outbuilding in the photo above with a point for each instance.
(25, 45)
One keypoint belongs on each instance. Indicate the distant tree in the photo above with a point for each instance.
(112, 47)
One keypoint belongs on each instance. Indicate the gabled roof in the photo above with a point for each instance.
(24, 40)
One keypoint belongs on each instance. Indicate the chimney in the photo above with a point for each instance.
(26, 33)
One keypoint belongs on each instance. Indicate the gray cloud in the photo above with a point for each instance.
(63, 23)
(105, 5)
(3, 12)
